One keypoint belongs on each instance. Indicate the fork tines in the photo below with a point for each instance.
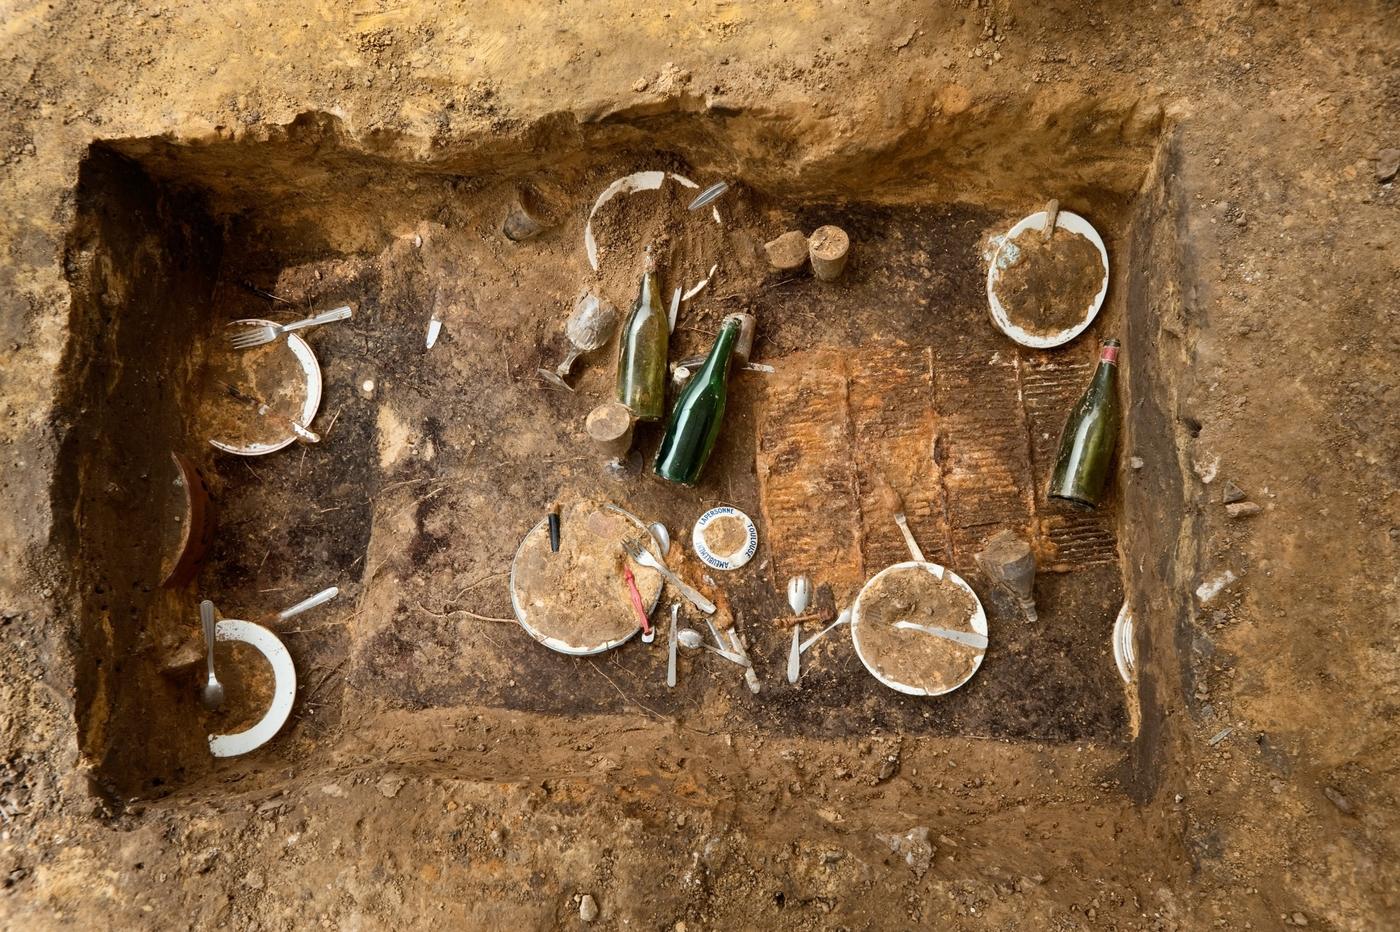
(251, 337)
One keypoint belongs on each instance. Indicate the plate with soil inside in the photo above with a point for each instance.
(577, 601)
(1045, 292)
(250, 397)
(909, 660)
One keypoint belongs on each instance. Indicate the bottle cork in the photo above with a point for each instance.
(829, 248)
(609, 426)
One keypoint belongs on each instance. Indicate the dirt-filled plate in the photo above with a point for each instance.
(576, 601)
(282, 375)
(889, 623)
(1043, 293)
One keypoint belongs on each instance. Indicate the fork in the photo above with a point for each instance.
(644, 557)
(249, 337)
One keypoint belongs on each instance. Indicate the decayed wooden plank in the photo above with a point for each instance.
(893, 427)
(806, 473)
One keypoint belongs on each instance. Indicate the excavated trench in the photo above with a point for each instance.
(423, 484)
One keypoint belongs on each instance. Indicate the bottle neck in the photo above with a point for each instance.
(1107, 372)
(717, 363)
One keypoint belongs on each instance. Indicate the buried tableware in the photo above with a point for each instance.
(266, 332)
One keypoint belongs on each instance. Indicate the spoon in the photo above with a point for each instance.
(690, 639)
(799, 594)
(212, 695)
(845, 617)
(671, 648)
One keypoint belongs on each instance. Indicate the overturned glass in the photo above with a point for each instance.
(1009, 563)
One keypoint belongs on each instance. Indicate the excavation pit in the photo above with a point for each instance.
(435, 461)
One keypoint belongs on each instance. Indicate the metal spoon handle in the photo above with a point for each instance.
(845, 617)
(794, 669)
(671, 648)
(320, 598)
(206, 617)
(340, 313)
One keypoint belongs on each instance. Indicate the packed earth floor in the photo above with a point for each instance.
(169, 168)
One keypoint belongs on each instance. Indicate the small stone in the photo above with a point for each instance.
(1387, 165)
(639, 85)
(1299, 919)
(913, 847)
(1231, 493)
(254, 880)
(1338, 800)
(390, 785)
(204, 861)
(587, 908)
(1242, 509)
(1136, 462)
(788, 252)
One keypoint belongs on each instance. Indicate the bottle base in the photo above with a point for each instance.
(1083, 504)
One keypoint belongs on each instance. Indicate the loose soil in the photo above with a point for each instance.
(239, 384)
(1050, 286)
(915, 658)
(441, 771)
(580, 595)
(726, 536)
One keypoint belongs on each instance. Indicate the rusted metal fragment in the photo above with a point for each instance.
(1066, 537)
(893, 426)
(806, 472)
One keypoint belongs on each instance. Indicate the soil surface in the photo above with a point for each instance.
(166, 168)
(580, 595)
(915, 658)
(1051, 284)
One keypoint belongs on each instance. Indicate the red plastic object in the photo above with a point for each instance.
(636, 599)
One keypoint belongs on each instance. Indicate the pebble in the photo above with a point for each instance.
(390, 785)
(1242, 509)
(254, 880)
(1231, 493)
(588, 908)
(1338, 800)
(788, 252)
(1299, 919)
(1136, 462)
(1387, 165)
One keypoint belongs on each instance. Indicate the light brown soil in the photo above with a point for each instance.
(238, 383)
(580, 594)
(916, 658)
(441, 771)
(726, 535)
(1051, 284)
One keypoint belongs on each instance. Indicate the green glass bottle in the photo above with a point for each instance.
(698, 412)
(641, 361)
(1086, 446)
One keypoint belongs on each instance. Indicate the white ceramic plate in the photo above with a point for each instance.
(312, 370)
(553, 643)
(724, 561)
(284, 688)
(1004, 257)
(979, 624)
(1124, 654)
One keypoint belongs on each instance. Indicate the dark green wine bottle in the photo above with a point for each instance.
(698, 412)
(641, 360)
(1086, 446)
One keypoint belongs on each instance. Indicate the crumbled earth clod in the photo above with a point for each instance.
(788, 252)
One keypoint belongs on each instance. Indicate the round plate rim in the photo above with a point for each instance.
(979, 624)
(1073, 223)
(311, 367)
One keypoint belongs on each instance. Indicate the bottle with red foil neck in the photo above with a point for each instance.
(1090, 434)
